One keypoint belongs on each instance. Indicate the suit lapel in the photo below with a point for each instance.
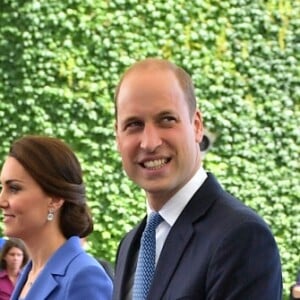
(172, 251)
(178, 239)
(126, 258)
(180, 236)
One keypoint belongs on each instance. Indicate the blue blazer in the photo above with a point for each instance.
(218, 249)
(70, 274)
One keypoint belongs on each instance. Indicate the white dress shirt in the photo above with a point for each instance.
(173, 208)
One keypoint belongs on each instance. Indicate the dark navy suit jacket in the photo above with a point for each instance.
(71, 274)
(218, 249)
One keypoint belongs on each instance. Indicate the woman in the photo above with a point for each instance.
(295, 289)
(44, 203)
(12, 259)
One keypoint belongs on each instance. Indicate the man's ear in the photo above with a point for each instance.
(117, 137)
(198, 124)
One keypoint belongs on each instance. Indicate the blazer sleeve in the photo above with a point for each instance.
(246, 265)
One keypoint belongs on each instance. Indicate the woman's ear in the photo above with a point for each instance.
(56, 203)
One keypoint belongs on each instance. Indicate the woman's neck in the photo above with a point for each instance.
(13, 275)
(13, 272)
(40, 249)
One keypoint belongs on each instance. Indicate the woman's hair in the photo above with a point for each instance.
(56, 169)
(13, 243)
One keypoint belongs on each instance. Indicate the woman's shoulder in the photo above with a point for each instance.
(86, 268)
(3, 273)
(85, 259)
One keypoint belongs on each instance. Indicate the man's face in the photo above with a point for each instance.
(157, 139)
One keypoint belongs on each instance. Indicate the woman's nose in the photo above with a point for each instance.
(3, 201)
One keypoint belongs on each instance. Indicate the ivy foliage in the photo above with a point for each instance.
(60, 62)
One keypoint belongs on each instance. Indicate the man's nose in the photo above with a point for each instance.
(151, 138)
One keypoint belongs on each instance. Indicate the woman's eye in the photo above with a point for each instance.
(14, 188)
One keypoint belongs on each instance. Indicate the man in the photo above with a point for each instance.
(209, 246)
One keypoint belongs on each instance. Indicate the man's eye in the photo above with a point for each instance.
(132, 125)
(168, 119)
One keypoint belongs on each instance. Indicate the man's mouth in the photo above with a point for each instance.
(155, 164)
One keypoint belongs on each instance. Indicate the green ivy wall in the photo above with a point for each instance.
(61, 60)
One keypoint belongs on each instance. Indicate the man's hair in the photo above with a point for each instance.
(182, 76)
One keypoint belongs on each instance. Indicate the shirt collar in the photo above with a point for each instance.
(175, 205)
(3, 274)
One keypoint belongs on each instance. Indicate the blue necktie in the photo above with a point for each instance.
(146, 260)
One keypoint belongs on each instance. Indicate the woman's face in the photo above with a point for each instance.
(24, 204)
(14, 258)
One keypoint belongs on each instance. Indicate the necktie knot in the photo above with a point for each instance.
(146, 258)
(154, 220)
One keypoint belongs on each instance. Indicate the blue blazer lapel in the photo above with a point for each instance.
(43, 286)
(40, 289)
(21, 281)
(54, 269)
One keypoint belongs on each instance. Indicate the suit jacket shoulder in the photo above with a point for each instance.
(217, 249)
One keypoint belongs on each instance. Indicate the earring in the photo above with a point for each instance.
(50, 215)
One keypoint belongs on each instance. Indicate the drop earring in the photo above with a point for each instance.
(50, 215)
